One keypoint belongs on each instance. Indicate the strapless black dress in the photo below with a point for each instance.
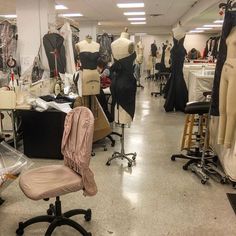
(123, 87)
(89, 60)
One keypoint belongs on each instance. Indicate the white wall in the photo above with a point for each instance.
(197, 41)
(87, 28)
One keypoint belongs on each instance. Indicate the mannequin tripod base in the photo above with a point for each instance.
(130, 157)
(122, 156)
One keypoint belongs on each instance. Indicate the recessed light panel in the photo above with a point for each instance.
(60, 7)
(9, 16)
(130, 5)
(205, 28)
(71, 15)
(219, 21)
(196, 31)
(137, 19)
(212, 26)
(138, 23)
(133, 13)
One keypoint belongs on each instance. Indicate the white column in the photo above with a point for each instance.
(88, 28)
(34, 18)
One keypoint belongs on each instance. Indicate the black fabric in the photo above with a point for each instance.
(104, 104)
(154, 50)
(232, 200)
(53, 42)
(229, 23)
(89, 60)
(176, 92)
(123, 86)
(163, 54)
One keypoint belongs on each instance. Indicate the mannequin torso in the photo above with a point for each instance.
(88, 53)
(231, 44)
(122, 49)
(139, 51)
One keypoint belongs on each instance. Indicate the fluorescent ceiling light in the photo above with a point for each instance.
(212, 26)
(138, 23)
(70, 15)
(130, 5)
(196, 31)
(134, 19)
(204, 28)
(60, 7)
(9, 16)
(219, 21)
(132, 13)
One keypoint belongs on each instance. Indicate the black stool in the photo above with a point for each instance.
(200, 109)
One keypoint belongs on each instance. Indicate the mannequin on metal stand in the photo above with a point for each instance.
(123, 89)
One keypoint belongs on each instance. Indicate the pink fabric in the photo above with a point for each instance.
(77, 146)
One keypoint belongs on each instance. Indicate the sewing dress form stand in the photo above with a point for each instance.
(123, 90)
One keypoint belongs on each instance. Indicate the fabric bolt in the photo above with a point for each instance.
(123, 87)
(229, 23)
(53, 43)
(176, 92)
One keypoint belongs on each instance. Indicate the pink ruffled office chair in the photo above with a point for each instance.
(57, 180)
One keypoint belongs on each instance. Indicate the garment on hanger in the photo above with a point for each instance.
(66, 32)
(229, 23)
(176, 92)
(123, 87)
(105, 47)
(8, 43)
(53, 43)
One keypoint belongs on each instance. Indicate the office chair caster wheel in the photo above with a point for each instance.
(203, 181)
(151, 94)
(129, 164)
(185, 167)
(172, 158)
(51, 210)
(20, 230)
(108, 163)
(223, 181)
(88, 215)
(93, 154)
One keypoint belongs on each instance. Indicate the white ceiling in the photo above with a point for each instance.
(111, 17)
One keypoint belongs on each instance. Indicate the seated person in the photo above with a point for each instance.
(194, 54)
(104, 72)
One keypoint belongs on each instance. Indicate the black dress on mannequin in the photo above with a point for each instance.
(176, 92)
(123, 87)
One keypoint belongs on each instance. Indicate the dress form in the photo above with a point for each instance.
(227, 98)
(88, 51)
(139, 51)
(122, 48)
(178, 33)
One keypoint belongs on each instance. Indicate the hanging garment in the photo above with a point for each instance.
(105, 48)
(123, 87)
(154, 50)
(176, 92)
(53, 43)
(66, 32)
(229, 23)
(163, 55)
(8, 43)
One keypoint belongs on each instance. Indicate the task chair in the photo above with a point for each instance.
(56, 180)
